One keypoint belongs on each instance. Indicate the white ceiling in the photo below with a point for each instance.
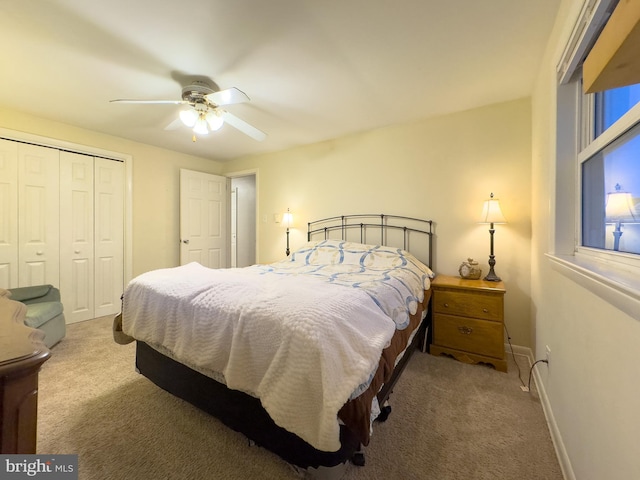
(314, 69)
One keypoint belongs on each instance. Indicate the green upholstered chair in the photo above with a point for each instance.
(44, 310)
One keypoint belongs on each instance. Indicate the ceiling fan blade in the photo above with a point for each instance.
(243, 126)
(174, 102)
(228, 96)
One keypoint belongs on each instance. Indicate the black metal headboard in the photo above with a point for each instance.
(379, 229)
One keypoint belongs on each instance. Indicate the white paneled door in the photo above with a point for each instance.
(39, 225)
(91, 236)
(109, 235)
(76, 236)
(8, 214)
(203, 219)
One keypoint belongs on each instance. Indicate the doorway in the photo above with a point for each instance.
(243, 232)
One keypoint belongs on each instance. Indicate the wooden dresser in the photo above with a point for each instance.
(22, 353)
(468, 320)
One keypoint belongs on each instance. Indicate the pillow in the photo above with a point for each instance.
(333, 252)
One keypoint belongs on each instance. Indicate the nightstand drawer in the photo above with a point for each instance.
(478, 336)
(468, 304)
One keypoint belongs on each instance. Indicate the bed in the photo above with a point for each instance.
(299, 355)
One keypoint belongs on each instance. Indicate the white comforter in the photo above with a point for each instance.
(298, 343)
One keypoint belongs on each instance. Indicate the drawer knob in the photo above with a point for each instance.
(485, 310)
(446, 305)
(465, 330)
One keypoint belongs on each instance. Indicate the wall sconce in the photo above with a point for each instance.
(619, 209)
(287, 222)
(492, 214)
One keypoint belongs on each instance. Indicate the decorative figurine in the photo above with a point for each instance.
(470, 269)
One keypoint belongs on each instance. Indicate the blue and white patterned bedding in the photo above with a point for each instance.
(392, 277)
(304, 335)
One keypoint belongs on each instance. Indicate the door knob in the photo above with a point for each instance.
(186, 241)
(39, 252)
(76, 251)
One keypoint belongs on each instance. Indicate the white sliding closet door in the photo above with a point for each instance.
(76, 236)
(109, 235)
(39, 225)
(91, 236)
(8, 214)
(62, 223)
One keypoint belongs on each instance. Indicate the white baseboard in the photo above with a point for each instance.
(556, 438)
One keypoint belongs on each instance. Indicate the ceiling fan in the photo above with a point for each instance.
(203, 113)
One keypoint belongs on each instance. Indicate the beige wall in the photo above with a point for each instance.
(593, 381)
(155, 185)
(442, 169)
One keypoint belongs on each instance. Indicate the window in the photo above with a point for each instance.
(610, 171)
(611, 105)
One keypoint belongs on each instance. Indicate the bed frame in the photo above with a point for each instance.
(379, 229)
(243, 412)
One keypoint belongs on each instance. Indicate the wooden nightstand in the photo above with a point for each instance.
(468, 320)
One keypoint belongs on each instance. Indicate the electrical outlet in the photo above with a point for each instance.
(548, 350)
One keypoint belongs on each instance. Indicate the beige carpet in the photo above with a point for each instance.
(449, 421)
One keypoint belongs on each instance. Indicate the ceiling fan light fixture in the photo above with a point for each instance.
(189, 117)
(201, 126)
(214, 120)
(202, 113)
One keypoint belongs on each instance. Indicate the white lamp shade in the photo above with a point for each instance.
(189, 117)
(214, 120)
(201, 126)
(620, 208)
(491, 212)
(287, 219)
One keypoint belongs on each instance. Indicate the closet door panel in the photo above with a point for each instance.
(76, 236)
(38, 226)
(8, 214)
(109, 236)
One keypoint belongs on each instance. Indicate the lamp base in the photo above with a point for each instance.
(617, 233)
(491, 276)
(287, 251)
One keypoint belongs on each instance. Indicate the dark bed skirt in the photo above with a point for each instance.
(239, 411)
